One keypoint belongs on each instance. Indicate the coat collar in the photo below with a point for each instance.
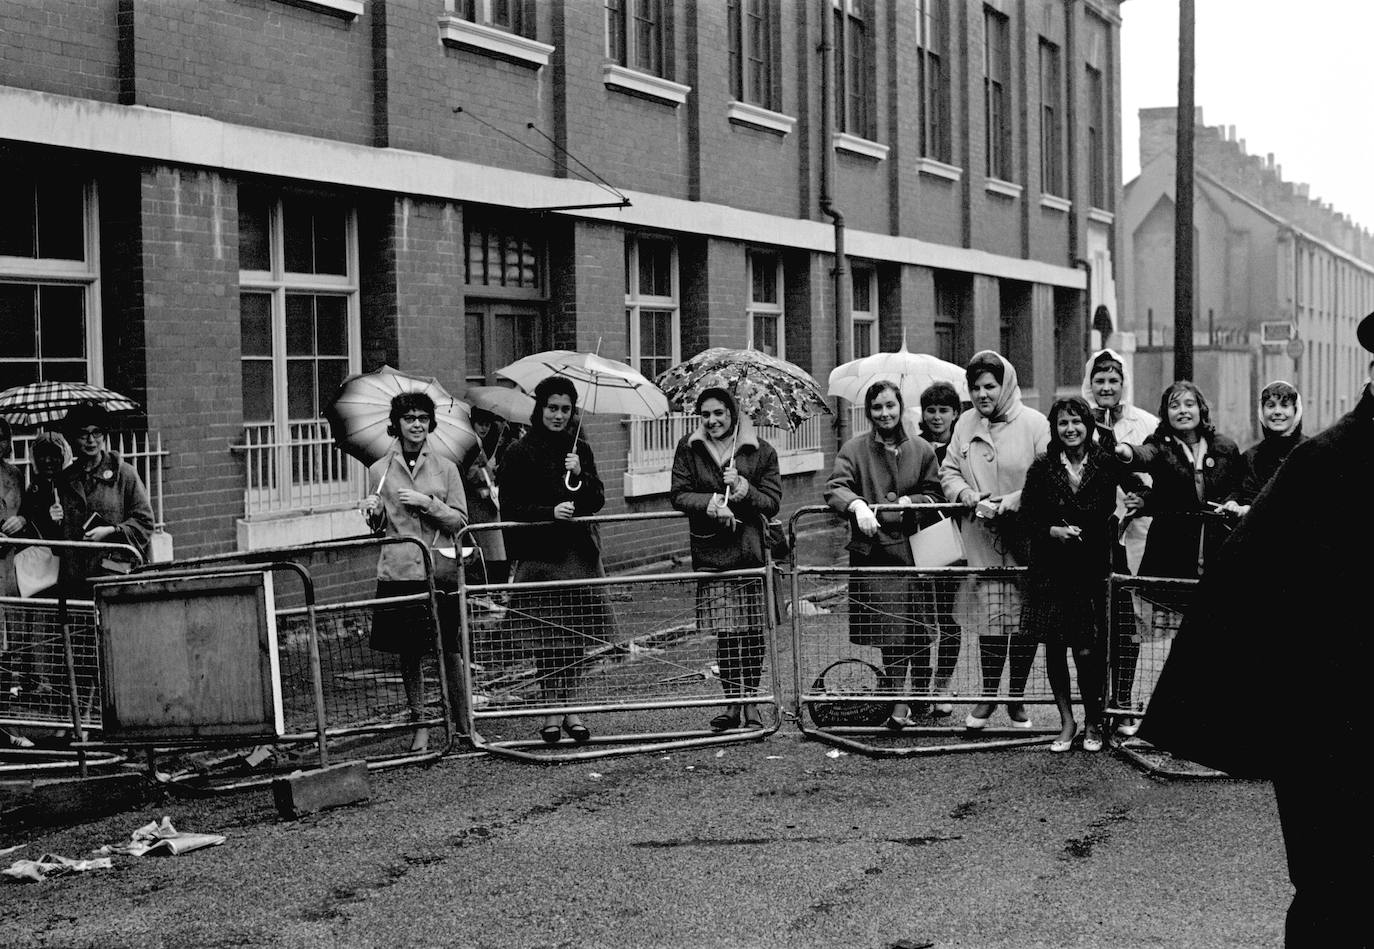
(105, 471)
(746, 435)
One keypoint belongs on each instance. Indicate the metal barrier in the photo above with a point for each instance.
(1145, 615)
(953, 632)
(341, 697)
(645, 654)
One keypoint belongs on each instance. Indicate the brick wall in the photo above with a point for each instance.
(65, 48)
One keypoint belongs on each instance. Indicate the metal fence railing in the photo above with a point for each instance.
(653, 441)
(299, 470)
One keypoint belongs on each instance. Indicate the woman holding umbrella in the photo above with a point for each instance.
(550, 475)
(11, 523)
(727, 480)
(415, 492)
(479, 477)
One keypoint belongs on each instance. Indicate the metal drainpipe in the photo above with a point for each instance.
(844, 331)
(1087, 307)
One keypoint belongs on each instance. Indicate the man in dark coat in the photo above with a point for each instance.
(1291, 577)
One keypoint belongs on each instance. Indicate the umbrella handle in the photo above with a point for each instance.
(567, 482)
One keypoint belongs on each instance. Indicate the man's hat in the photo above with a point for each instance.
(1365, 333)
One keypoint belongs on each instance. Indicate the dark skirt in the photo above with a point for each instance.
(1064, 615)
(561, 618)
(405, 628)
(886, 611)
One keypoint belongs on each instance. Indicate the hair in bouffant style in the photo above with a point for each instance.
(1204, 412)
(1068, 405)
(545, 390)
(940, 393)
(410, 402)
(985, 362)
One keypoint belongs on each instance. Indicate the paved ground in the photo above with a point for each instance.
(771, 844)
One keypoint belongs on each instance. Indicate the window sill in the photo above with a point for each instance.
(744, 113)
(1005, 188)
(292, 529)
(844, 142)
(347, 9)
(1052, 202)
(643, 84)
(1101, 216)
(454, 31)
(643, 484)
(938, 169)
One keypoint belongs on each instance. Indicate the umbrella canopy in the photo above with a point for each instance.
(911, 372)
(360, 413)
(603, 385)
(769, 390)
(503, 401)
(40, 402)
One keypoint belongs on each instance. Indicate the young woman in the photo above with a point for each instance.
(1068, 504)
(415, 493)
(11, 521)
(940, 407)
(990, 451)
(479, 481)
(534, 481)
(726, 479)
(1280, 416)
(1196, 473)
(886, 466)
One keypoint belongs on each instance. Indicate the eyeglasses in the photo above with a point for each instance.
(93, 433)
(414, 418)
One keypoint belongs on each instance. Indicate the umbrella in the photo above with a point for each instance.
(769, 390)
(48, 401)
(603, 385)
(911, 372)
(503, 401)
(360, 413)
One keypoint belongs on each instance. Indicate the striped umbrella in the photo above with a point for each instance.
(361, 411)
(39, 402)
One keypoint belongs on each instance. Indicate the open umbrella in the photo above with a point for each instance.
(603, 385)
(502, 401)
(48, 401)
(769, 390)
(911, 372)
(360, 413)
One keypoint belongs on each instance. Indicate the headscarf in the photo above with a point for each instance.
(1127, 389)
(56, 440)
(1008, 404)
(1296, 427)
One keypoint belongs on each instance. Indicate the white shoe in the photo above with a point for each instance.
(1092, 744)
(1023, 723)
(1061, 745)
(1127, 727)
(974, 722)
(942, 709)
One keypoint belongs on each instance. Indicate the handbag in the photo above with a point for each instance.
(36, 569)
(939, 545)
(445, 563)
(775, 539)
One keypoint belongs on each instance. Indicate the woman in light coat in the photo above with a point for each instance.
(991, 449)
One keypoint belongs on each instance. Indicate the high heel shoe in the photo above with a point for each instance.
(1061, 745)
(975, 721)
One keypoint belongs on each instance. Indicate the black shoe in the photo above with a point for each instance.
(728, 720)
(579, 733)
(552, 734)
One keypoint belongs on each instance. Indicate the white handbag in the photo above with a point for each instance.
(939, 545)
(35, 568)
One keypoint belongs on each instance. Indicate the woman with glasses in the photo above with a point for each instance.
(103, 500)
(415, 493)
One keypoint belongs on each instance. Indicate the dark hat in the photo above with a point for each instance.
(82, 416)
(1365, 333)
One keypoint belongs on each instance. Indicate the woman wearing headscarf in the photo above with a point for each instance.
(886, 465)
(726, 479)
(415, 492)
(1120, 421)
(1196, 474)
(11, 521)
(1280, 417)
(550, 475)
(991, 449)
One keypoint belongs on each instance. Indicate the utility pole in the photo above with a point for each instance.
(1183, 199)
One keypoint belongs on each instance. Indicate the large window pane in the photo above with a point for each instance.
(18, 236)
(255, 248)
(655, 342)
(765, 278)
(255, 324)
(18, 320)
(60, 220)
(475, 338)
(65, 371)
(300, 324)
(62, 324)
(257, 390)
(331, 326)
(655, 268)
(300, 389)
(331, 373)
(315, 237)
(766, 334)
(17, 373)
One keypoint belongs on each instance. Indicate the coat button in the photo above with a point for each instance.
(891, 496)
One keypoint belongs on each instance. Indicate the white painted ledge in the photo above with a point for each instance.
(643, 84)
(347, 9)
(1052, 202)
(455, 31)
(301, 528)
(938, 169)
(744, 113)
(1006, 189)
(643, 484)
(1101, 216)
(855, 145)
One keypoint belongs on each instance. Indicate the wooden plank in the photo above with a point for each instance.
(305, 792)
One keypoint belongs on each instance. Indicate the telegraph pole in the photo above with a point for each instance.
(1183, 199)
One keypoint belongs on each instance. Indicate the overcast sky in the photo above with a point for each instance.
(1295, 79)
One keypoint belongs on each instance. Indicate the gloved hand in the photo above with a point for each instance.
(864, 517)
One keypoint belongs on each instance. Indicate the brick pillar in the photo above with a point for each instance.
(906, 308)
(1042, 343)
(986, 307)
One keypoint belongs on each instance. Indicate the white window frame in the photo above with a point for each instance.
(278, 282)
(867, 317)
(629, 53)
(635, 301)
(759, 310)
(83, 273)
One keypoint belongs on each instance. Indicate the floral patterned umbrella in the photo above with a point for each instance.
(769, 390)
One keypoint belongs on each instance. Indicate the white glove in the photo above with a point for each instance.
(864, 517)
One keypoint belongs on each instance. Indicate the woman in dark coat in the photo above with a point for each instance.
(1196, 473)
(1068, 505)
(479, 481)
(726, 479)
(1286, 596)
(1280, 416)
(886, 465)
(557, 626)
(940, 407)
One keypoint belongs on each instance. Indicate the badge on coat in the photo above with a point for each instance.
(1210, 462)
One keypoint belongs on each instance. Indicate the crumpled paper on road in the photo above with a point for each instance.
(50, 864)
(162, 839)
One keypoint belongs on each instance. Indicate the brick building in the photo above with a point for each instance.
(1271, 263)
(224, 207)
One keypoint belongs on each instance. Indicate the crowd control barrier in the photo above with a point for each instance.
(646, 660)
(953, 631)
(341, 697)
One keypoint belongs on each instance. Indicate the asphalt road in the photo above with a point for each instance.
(764, 844)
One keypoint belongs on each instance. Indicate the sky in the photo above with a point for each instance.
(1295, 79)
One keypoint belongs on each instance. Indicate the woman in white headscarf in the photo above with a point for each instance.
(991, 449)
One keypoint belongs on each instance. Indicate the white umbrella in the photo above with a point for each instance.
(912, 373)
